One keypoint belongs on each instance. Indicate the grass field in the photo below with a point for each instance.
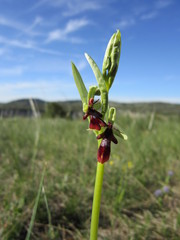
(148, 161)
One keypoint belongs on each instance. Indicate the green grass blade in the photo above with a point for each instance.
(79, 83)
(51, 230)
(35, 207)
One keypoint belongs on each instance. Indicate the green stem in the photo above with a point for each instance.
(96, 201)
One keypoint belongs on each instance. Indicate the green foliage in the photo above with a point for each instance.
(135, 170)
(54, 109)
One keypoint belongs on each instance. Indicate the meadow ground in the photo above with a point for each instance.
(131, 206)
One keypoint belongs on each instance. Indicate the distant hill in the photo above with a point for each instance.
(23, 108)
(144, 107)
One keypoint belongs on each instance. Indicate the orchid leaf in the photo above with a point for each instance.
(80, 84)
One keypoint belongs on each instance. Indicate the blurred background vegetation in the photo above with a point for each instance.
(140, 199)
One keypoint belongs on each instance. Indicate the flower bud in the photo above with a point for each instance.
(111, 59)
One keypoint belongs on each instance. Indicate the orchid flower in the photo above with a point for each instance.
(101, 118)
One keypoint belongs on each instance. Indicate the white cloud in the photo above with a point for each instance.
(80, 6)
(160, 4)
(124, 23)
(81, 65)
(19, 26)
(74, 25)
(27, 45)
(35, 84)
(13, 71)
(163, 3)
(16, 43)
(43, 89)
(71, 26)
(147, 99)
(139, 9)
(149, 15)
(2, 51)
(70, 7)
(8, 23)
(41, 3)
(144, 12)
(37, 21)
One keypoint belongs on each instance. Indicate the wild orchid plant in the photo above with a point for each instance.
(101, 117)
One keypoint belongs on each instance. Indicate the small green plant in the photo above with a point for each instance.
(101, 117)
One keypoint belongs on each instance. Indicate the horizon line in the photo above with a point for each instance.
(123, 101)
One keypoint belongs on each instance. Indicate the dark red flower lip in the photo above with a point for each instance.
(104, 150)
(105, 146)
(95, 117)
(96, 123)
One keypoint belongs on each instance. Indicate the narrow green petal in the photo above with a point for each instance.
(118, 133)
(80, 84)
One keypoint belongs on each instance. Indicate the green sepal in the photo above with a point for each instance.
(111, 59)
(101, 83)
(118, 133)
(112, 115)
(80, 84)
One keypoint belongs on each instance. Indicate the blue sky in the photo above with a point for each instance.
(39, 39)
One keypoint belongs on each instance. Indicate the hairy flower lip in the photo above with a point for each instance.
(96, 123)
(104, 149)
